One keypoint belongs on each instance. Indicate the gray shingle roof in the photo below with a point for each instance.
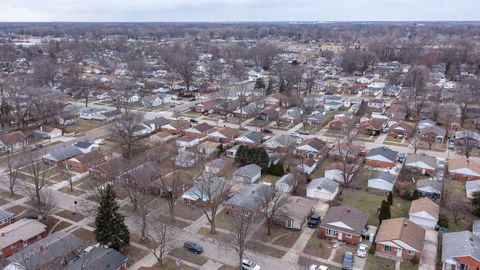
(249, 170)
(462, 243)
(40, 254)
(4, 214)
(350, 216)
(383, 151)
(255, 136)
(324, 183)
(429, 160)
(63, 153)
(288, 179)
(384, 176)
(249, 197)
(99, 258)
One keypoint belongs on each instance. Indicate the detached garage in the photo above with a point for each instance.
(382, 181)
(424, 212)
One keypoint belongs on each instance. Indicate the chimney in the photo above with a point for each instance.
(41, 248)
(2, 234)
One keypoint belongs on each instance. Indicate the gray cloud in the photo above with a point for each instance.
(238, 10)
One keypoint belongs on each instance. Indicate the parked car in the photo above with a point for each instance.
(304, 132)
(250, 265)
(266, 130)
(347, 260)
(172, 105)
(401, 156)
(242, 127)
(362, 250)
(451, 145)
(193, 247)
(313, 220)
(294, 134)
(36, 146)
(192, 99)
(317, 267)
(193, 120)
(441, 165)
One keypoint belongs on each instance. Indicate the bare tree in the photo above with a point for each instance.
(415, 141)
(12, 171)
(214, 189)
(125, 128)
(241, 91)
(241, 228)
(272, 200)
(47, 204)
(417, 78)
(164, 236)
(344, 144)
(458, 209)
(214, 70)
(45, 71)
(185, 64)
(37, 179)
(69, 177)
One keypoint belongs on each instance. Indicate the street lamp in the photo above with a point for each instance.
(75, 207)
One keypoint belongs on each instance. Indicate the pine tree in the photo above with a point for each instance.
(269, 90)
(110, 224)
(415, 195)
(384, 211)
(390, 198)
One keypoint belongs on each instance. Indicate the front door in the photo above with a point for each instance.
(399, 252)
(339, 236)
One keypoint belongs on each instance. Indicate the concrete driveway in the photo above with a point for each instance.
(429, 256)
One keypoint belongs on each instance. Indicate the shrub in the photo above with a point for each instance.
(443, 221)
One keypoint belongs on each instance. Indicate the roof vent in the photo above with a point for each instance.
(405, 224)
(349, 210)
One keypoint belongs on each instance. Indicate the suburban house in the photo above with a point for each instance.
(129, 98)
(83, 162)
(400, 130)
(176, 182)
(205, 193)
(224, 135)
(205, 106)
(13, 141)
(155, 100)
(401, 238)
(176, 126)
(48, 253)
(91, 113)
(6, 218)
(335, 171)
(340, 122)
(187, 141)
(322, 188)
(248, 201)
(47, 132)
(85, 147)
(56, 157)
(200, 131)
(344, 223)
(280, 143)
(217, 166)
(250, 173)
(382, 180)
(317, 118)
(20, 234)
(307, 166)
(467, 137)
(269, 114)
(462, 169)
(424, 212)
(429, 131)
(292, 115)
(109, 169)
(372, 126)
(232, 151)
(286, 183)
(342, 151)
(421, 163)
(471, 187)
(461, 252)
(99, 258)
(186, 159)
(156, 123)
(251, 139)
(429, 188)
(208, 148)
(293, 213)
(382, 157)
(312, 148)
(108, 116)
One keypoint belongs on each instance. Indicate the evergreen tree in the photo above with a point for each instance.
(390, 198)
(110, 224)
(415, 195)
(384, 211)
(269, 89)
(260, 84)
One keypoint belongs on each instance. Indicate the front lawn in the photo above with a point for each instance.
(374, 263)
(318, 247)
(408, 266)
(279, 236)
(369, 203)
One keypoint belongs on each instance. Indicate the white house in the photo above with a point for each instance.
(130, 98)
(472, 187)
(424, 212)
(187, 141)
(91, 113)
(308, 166)
(382, 180)
(323, 189)
(152, 101)
(286, 184)
(232, 152)
(250, 174)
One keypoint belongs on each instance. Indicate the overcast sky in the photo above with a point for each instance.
(238, 10)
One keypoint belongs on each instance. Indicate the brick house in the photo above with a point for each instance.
(401, 129)
(339, 152)
(400, 238)
(6, 218)
(462, 169)
(224, 135)
(176, 127)
(200, 131)
(381, 157)
(84, 162)
(340, 122)
(251, 139)
(344, 223)
(312, 148)
(20, 234)
(13, 141)
(462, 251)
(421, 163)
(373, 126)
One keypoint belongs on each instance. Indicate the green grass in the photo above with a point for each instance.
(318, 247)
(408, 266)
(369, 202)
(320, 171)
(375, 263)
(360, 180)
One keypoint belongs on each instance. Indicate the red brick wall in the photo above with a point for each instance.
(405, 255)
(379, 164)
(6, 223)
(467, 260)
(354, 240)
(462, 177)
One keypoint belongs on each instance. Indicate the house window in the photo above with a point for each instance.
(290, 223)
(386, 248)
(331, 233)
(411, 252)
(349, 235)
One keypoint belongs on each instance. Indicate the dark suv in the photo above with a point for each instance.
(193, 247)
(313, 220)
